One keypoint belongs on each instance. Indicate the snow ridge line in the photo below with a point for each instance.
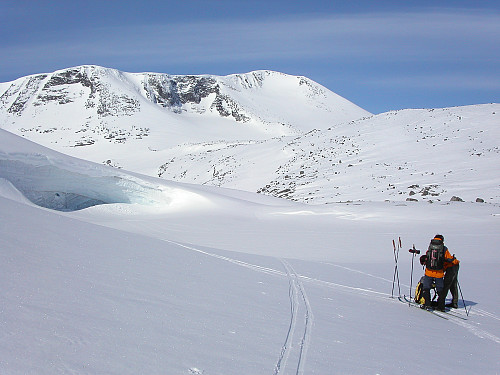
(308, 316)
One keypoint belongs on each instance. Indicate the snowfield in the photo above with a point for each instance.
(104, 271)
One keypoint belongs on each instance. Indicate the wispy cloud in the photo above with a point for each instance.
(428, 36)
(418, 59)
(439, 81)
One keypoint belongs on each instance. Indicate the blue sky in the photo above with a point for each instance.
(382, 55)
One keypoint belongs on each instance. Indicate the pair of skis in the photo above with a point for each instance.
(405, 299)
(441, 314)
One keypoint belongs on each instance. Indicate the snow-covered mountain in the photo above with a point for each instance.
(159, 277)
(91, 105)
(136, 121)
(263, 132)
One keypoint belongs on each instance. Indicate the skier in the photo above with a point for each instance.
(435, 259)
(451, 282)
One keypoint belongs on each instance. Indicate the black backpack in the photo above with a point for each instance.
(435, 255)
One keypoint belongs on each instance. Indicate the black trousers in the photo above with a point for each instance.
(451, 283)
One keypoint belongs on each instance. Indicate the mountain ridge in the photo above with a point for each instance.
(167, 91)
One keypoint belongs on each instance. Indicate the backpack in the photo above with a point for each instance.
(435, 255)
(419, 292)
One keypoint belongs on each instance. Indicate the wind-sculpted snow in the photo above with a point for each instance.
(59, 182)
(52, 186)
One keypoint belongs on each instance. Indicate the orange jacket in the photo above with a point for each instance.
(448, 262)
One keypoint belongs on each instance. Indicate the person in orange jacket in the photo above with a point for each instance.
(435, 259)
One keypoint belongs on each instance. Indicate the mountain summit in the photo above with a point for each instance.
(261, 102)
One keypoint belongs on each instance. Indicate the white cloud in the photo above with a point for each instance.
(440, 81)
(436, 35)
(433, 37)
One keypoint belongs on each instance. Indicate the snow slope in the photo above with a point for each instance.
(160, 277)
(427, 154)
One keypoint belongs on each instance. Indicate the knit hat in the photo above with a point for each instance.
(439, 236)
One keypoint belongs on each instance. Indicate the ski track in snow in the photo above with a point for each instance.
(286, 348)
(297, 288)
(298, 299)
(457, 318)
(473, 329)
(357, 271)
(296, 295)
(480, 312)
(460, 320)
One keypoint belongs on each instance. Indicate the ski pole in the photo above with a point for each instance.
(463, 301)
(413, 251)
(411, 277)
(396, 274)
(395, 268)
